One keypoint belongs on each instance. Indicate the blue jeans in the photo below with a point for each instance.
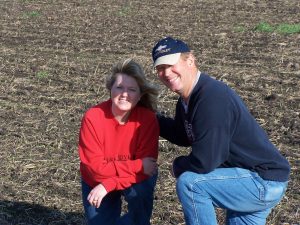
(140, 204)
(246, 197)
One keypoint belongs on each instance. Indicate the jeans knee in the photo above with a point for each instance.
(183, 183)
(190, 182)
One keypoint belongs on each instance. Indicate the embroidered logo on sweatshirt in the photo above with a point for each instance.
(118, 158)
(189, 130)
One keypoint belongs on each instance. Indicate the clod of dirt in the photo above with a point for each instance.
(293, 66)
(271, 97)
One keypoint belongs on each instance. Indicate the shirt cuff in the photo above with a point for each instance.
(109, 184)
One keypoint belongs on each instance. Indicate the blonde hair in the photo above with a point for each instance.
(149, 92)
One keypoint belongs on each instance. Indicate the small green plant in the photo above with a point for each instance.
(42, 74)
(125, 10)
(264, 27)
(32, 14)
(239, 28)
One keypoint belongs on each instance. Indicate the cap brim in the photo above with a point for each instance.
(171, 59)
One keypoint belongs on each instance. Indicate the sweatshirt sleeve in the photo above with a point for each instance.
(208, 152)
(172, 129)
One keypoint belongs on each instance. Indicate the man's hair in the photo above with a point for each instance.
(185, 56)
(149, 92)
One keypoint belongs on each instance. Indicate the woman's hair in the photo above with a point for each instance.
(129, 67)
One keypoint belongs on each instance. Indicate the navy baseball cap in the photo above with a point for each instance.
(168, 50)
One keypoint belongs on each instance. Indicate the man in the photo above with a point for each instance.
(232, 163)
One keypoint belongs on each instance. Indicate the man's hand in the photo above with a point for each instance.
(96, 195)
(150, 166)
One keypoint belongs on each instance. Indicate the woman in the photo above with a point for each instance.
(118, 148)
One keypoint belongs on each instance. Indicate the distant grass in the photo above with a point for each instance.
(288, 28)
(283, 28)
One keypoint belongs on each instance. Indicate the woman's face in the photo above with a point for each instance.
(125, 93)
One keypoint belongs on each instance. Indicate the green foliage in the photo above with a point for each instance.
(281, 28)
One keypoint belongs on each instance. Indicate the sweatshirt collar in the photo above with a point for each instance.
(185, 105)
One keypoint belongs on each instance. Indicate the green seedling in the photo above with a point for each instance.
(124, 11)
(239, 29)
(32, 14)
(42, 74)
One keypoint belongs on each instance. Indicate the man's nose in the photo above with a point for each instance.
(167, 72)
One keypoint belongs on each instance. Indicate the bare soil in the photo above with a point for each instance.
(55, 55)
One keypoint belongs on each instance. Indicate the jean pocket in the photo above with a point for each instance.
(260, 187)
(274, 191)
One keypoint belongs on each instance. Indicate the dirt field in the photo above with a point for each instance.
(54, 56)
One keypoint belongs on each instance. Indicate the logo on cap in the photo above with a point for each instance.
(167, 51)
(160, 47)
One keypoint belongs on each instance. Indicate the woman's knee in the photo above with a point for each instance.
(141, 190)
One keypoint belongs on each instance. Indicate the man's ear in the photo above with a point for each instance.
(191, 60)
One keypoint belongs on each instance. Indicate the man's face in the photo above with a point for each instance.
(174, 76)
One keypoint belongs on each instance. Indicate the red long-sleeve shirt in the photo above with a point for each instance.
(112, 153)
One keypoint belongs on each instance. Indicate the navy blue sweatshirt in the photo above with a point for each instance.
(222, 133)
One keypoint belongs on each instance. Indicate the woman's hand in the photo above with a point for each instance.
(96, 195)
(150, 166)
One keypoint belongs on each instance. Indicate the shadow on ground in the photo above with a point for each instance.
(22, 213)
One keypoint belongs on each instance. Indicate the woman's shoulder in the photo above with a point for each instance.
(99, 109)
(144, 113)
